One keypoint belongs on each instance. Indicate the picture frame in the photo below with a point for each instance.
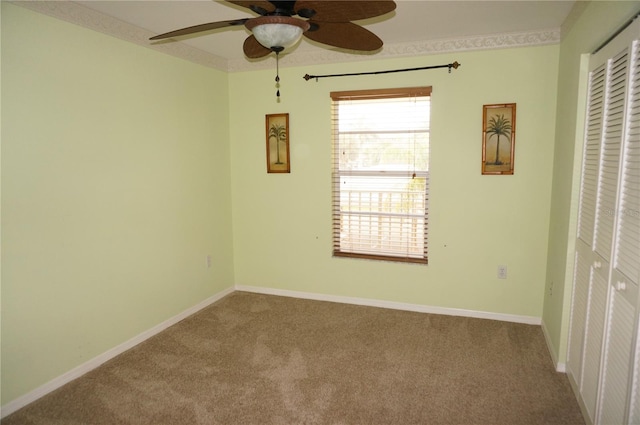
(277, 133)
(498, 138)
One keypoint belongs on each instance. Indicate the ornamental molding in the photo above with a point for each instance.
(83, 16)
(410, 49)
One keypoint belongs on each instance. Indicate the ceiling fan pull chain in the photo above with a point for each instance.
(278, 75)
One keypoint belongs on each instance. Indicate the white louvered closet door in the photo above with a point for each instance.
(618, 349)
(626, 268)
(587, 324)
(582, 308)
(602, 360)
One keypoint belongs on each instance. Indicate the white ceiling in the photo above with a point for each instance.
(413, 21)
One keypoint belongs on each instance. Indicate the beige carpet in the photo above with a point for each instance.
(261, 359)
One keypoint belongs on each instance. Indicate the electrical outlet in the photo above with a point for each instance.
(502, 272)
(208, 261)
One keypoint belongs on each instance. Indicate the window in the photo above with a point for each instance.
(381, 173)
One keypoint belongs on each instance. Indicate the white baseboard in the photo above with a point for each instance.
(78, 371)
(529, 320)
(560, 367)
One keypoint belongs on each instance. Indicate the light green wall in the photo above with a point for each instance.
(115, 166)
(282, 222)
(595, 24)
(122, 168)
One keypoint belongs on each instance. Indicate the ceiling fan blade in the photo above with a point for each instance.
(255, 5)
(346, 35)
(253, 49)
(200, 28)
(346, 10)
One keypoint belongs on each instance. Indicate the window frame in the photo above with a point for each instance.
(337, 174)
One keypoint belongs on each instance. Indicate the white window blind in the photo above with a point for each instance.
(381, 173)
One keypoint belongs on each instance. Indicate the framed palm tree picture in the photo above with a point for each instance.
(277, 129)
(498, 138)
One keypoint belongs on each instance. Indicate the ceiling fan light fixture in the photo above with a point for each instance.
(277, 31)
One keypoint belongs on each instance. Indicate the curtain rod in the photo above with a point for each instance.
(615, 34)
(453, 65)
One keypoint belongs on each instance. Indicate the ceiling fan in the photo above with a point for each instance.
(277, 28)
